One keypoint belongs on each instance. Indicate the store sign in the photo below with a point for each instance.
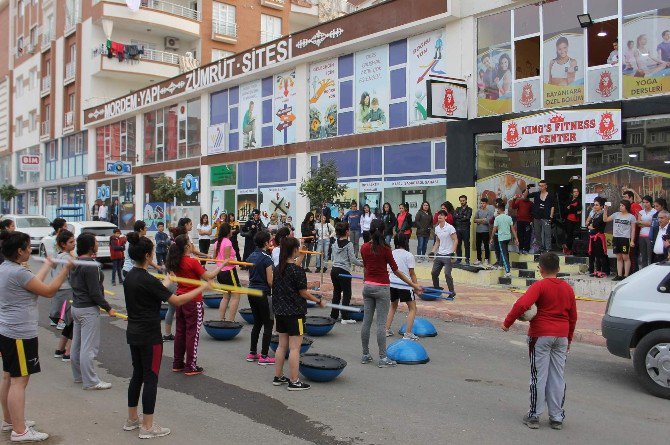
(217, 139)
(118, 168)
(190, 184)
(30, 163)
(104, 192)
(447, 100)
(371, 186)
(568, 127)
(419, 182)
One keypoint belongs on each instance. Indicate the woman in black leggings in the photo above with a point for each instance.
(144, 295)
(260, 277)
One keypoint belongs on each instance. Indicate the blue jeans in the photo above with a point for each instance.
(322, 246)
(117, 265)
(422, 246)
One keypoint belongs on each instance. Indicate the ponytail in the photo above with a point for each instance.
(176, 253)
(377, 234)
(288, 245)
(139, 248)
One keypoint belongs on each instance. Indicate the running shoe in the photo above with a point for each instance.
(99, 386)
(410, 336)
(389, 333)
(7, 427)
(265, 361)
(196, 371)
(477, 263)
(367, 358)
(131, 425)
(555, 425)
(386, 363)
(298, 386)
(59, 353)
(66, 357)
(253, 357)
(177, 369)
(349, 321)
(153, 432)
(508, 275)
(60, 326)
(52, 323)
(531, 422)
(278, 381)
(29, 435)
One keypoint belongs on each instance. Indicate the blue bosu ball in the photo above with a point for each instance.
(318, 326)
(311, 304)
(321, 367)
(304, 347)
(420, 328)
(430, 295)
(164, 309)
(222, 330)
(212, 301)
(358, 316)
(247, 315)
(407, 352)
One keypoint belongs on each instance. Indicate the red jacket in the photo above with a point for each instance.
(524, 209)
(375, 263)
(117, 245)
(556, 309)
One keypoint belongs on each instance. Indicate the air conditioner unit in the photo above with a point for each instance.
(172, 43)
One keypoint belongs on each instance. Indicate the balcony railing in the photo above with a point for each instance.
(277, 4)
(45, 126)
(46, 84)
(68, 121)
(160, 56)
(267, 36)
(172, 8)
(46, 39)
(71, 21)
(228, 29)
(70, 71)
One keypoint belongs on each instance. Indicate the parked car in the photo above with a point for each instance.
(101, 229)
(37, 226)
(638, 317)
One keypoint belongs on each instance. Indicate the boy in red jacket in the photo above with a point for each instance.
(549, 337)
(117, 246)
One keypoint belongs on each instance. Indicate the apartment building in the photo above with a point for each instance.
(5, 105)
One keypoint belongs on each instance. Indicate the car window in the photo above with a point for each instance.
(30, 222)
(99, 231)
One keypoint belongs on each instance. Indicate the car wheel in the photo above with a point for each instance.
(43, 251)
(652, 362)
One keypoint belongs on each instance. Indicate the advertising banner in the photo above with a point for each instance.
(323, 99)
(494, 80)
(372, 89)
(217, 138)
(567, 127)
(246, 203)
(604, 84)
(527, 96)
(646, 55)
(250, 109)
(284, 108)
(447, 100)
(564, 70)
(279, 201)
(30, 163)
(155, 212)
(425, 58)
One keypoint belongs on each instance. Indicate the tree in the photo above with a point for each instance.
(8, 192)
(166, 189)
(322, 187)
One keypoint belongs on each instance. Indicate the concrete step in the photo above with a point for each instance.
(521, 283)
(530, 273)
(565, 268)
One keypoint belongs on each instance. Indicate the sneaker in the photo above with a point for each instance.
(389, 333)
(410, 336)
(52, 323)
(168, 337)
(196, 371)
(99, 386)
(155, 431)
(298, 386)
(325, 269)
(7, 427)
(531, 422)
(367, 358)
(131, 425)
(253, 357)
(507, 275)
(385, 363)
(278, 381)
(618, 278)
(77, 381)
(555, 425)
(29, 435)
(60, 326)
(477, 263)
(59, 353)
(265, 361)
(307, 270)
(349, 321)
(66, 357)
(177, 369)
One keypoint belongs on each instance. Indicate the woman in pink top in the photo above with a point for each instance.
(228, 275)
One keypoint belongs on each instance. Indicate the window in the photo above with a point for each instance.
(145, 45)
(52, 152)
(19, 86)
(47, 68)
(270, 28)
(70, 101)
(33, 120)
(18, 130)
(32, 79)
(635, 138)
(73, 52)
(526, 20)
(21, 8)
(603, 43)
(218, 54)
(193, 128)
(19, 46)
(33, 36)
(494, 64)
(172, 132)
(47, 113)
(527, 57)
(224, 19)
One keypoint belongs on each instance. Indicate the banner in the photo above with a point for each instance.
(246, 203)
(604, 84)
(567, 127)
(217, 138)
(223, 175)
(30, 163)
(323, 99)
(646, 55)
(284, 108)
(447, 100)
(279, 201)
(425, 58)
(564, 70)
(372, 89)
(494, 80)
(250, 109)
(527, 96)
(155, 212)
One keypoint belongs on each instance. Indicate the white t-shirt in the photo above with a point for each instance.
(206, 228)
(366, 220)
(102, 212)
(405, 262)
(646, 217)
(275, 256)
(444, 235)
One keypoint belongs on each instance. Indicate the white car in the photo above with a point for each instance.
(101, 229)
(638, 317)
(37, 226)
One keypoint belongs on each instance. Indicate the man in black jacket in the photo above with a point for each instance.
(462, 218)
(251, 227)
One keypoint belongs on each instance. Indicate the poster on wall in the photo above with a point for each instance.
(604, 84)
(372, 89)
(414, 191)
(494, 80)
(323, 99)
(563, 70)
(344, 201)
(217, 204)
(155, 212)
(505, 185)
(250, 110)
(370, 193)
(127, 216)
(193, 212)
(527, 96)
(646, 55)
(447, 100)
(284, 108)
(217, 138)
(247, 201)
(425, 58)
(223, 175)
(279, 201)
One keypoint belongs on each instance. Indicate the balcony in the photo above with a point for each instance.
(46, 86)
(68, 122)
(160, 56)
(71, 21)
(304, 14)
(45, 130)
(46, 40)
(164, 18)
(153, 65)
(267, 36)
(276, 4)
(224, 31)
(70, 72)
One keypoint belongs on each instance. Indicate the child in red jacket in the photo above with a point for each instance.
(117, 245)
(549, 337)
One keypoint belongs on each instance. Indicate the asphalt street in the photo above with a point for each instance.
(474, 390)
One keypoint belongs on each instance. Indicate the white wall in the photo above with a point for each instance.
(4, 114)
(27, 102)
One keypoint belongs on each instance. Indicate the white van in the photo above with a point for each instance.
(638, 317)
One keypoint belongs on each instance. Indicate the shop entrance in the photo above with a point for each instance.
(560, 182)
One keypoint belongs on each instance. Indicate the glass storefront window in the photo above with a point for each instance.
(50, 202)
(563, 156)
(636, 6)
(115, 142)
(602, 8)
(193, 128)
(26, 177)
(193, 187)
(494, 64)
(526, 20)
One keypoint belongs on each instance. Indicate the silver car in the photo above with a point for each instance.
(101, 229)
(37, 226)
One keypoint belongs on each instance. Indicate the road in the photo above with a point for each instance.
(474, 390)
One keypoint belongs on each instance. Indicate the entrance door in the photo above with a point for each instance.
(560, 183)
